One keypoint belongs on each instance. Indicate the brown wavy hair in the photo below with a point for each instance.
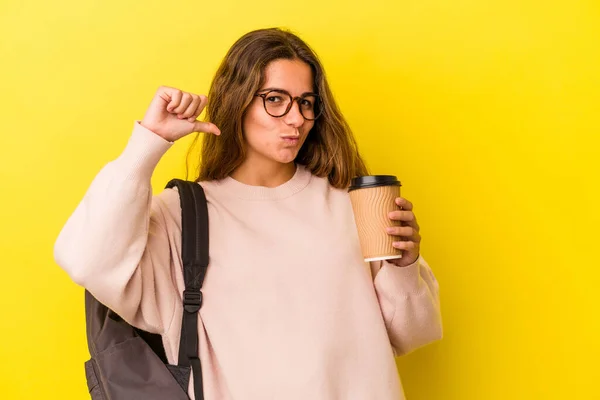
(330, 150)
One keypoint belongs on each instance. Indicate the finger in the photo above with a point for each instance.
(191, 109)
(199, 108)
(403, 231)
(413, 224)
(402, 215)
(186, 99)
(173, 98)
(404, 204)
(406, 218)
(408, 245)
(206, 127)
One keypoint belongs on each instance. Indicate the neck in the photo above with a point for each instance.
(264, 173)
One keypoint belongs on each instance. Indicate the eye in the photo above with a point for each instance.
(274, 99)
(307, 103)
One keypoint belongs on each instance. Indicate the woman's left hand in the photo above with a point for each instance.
(408, 231)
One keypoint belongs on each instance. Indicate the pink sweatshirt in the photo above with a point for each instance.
(291, 311)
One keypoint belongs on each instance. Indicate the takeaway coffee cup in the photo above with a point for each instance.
(373, 198)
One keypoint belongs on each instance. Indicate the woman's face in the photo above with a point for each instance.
(279, 138)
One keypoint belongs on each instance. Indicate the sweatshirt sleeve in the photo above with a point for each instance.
(410, 304)
(116, 243)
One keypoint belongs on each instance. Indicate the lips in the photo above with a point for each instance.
(291, 139)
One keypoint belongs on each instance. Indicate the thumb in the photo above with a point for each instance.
(206, 127)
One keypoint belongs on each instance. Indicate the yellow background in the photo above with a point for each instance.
(487, 110)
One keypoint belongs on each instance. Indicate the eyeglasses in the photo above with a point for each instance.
(278, 102)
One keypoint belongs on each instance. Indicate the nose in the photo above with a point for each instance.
(294, 117)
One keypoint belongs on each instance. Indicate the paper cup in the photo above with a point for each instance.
(373, 198)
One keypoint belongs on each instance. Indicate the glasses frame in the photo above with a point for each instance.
(318, 108)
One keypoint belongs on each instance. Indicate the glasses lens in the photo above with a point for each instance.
(276, 103)
(308, 106)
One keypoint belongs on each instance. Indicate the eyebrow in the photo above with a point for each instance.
(283, 90)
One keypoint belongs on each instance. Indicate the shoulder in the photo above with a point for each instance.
(166, 204)
(335, 196)
(169, 197)
(323, 183)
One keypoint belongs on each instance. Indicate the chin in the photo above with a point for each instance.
(285, 160)
(286, 157)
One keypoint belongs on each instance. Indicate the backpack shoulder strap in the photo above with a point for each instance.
(194, 243)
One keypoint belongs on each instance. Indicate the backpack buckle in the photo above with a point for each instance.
(192, 300)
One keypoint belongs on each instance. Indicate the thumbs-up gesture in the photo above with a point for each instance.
(172, 114)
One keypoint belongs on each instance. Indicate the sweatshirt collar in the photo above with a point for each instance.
(299, 181)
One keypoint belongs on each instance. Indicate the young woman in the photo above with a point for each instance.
(291, 310)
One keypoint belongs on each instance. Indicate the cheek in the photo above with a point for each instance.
(307, 126)
(254, 123)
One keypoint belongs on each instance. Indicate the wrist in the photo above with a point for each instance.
(404, 261)
(156, 131)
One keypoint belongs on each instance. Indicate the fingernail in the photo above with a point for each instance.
(388, 229)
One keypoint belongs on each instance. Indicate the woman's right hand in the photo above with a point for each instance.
(172, 114)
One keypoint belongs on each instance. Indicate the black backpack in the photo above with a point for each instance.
(130, 364)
